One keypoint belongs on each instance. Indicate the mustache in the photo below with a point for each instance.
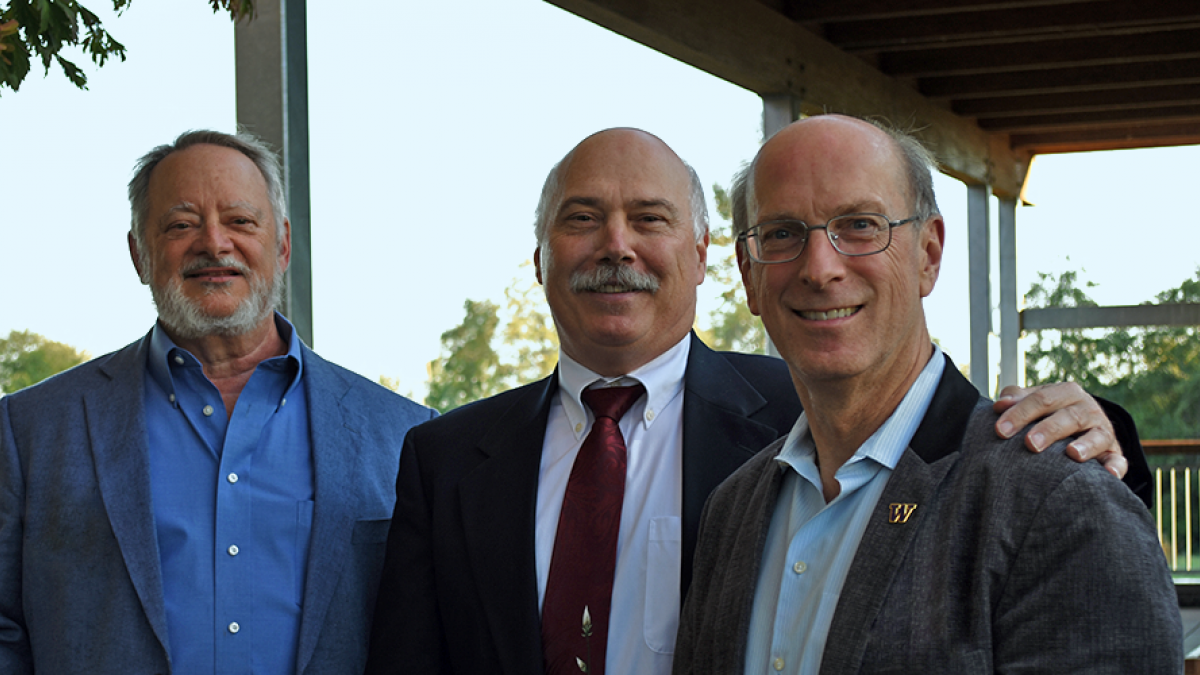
(613, 279)
(209, 261)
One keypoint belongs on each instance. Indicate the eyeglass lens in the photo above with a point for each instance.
(855, 234)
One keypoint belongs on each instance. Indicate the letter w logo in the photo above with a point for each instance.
(900, 513)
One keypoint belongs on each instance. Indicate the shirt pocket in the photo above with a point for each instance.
(664, 558)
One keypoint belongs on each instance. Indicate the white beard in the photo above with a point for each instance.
(188, 320)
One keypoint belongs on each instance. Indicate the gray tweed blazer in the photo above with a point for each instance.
(1011, 562)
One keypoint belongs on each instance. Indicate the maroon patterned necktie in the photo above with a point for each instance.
(585, 548)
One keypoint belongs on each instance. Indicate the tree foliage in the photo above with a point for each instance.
(1154, 372)
(731, 326)
(493, 350)
(28, 358)
(41, 29)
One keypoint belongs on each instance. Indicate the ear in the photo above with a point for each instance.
(285, 245)
(702, 253)
(745, 265)
(143, 275)
(537, 265)
(933, 238)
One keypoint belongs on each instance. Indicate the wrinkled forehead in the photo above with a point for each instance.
(820, 170)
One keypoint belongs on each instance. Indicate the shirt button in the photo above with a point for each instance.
(179, 359)
(232, 478)
(777, 664)
(234, 627)
(282, 403)
(578, 428)
(649, 414)
(233, 549)
(171, 398)
(800, 567)
(208, 411)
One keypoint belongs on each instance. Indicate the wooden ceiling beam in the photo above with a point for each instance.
(1117, 136)
(754, 47)
(1086, 78)
(1109, 17)
(1068, 102)
(1045, 54)
(1023, 124)
(846, 10)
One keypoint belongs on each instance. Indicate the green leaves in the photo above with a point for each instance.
(43, 28)
(28, 358)
(493, 350)
(237, 9)
(1153, 372)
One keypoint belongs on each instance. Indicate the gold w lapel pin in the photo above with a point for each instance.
(900, 513)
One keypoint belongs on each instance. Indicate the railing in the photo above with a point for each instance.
(1174, 499)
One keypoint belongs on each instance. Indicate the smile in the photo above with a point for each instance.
(829, 314)
(614, 288)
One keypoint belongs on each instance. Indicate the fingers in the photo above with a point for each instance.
(1065, 410)
(1115, 463)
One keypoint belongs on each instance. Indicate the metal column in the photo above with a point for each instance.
(979, 255)
(272, 102)
(1010, 317)
(779, 110)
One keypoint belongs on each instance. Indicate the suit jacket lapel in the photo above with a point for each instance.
(718, 436)
(336, 450)
(499, 505)
(116, 427)
(931, 453)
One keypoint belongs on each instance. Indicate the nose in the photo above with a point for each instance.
(820, 263)
(213, 239)
(617, 241)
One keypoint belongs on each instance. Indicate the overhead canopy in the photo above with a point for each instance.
(986, 84)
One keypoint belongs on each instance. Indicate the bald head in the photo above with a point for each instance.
(621, 144)
(837, 137)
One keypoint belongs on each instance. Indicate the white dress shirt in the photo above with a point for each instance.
(645, 602)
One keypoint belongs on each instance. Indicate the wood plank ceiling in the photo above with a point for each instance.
(1052, 75)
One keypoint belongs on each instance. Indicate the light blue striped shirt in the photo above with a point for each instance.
(811, 544)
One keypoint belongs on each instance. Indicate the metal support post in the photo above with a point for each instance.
(779, 110)
(979, 255)
(272, 102)
(1010, 317)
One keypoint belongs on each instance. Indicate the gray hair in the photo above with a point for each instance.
(249, 145)
(552, 194)
(917, 163)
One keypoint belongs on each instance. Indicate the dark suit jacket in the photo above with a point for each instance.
(459, 593)
(80, 583)
(1011, 562)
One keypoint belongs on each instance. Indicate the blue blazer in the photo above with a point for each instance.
(80, 583)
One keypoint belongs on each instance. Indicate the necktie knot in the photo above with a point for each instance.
(611, 402)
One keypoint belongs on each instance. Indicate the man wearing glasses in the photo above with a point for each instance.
(493, 557)
(891, 530)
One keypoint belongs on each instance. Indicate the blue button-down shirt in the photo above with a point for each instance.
(810, 544)
(233, 502)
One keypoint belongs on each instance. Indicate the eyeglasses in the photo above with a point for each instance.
(854, 234)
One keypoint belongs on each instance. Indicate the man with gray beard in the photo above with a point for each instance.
(528, 523)
(215, 497)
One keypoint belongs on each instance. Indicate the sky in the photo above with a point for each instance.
(432, 127)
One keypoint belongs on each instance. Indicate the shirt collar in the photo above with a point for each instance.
(165, 355)
(889, 441)
(662, 378)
